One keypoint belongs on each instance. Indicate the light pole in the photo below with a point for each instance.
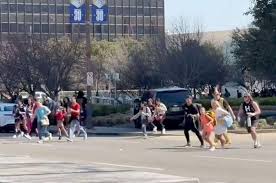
(88, 62)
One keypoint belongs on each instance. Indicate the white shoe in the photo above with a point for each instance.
(154, 129)
(40, 142)
(21, 135)
(74, 136)
(213, 148)
(85, 136)
(50, 137)
(68, 139)
(145, 136)
(45, 139)
(257, 145)
(163, 132)
(27, 136)
(14, 136)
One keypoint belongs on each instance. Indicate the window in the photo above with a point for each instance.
(133, 11)
(60, 28)
(13, 8)
(45, 28)
(37, 8)
(13, 27)
(21, 28)
(160, 3)
(36, 28)
(5, 27)
(98, 29)
(21, 8)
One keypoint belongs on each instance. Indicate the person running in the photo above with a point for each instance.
(145, 114)
(251, 111)
(220, 128)
(20, 121)
(191, 121)
(29, 114)
(207, 125)
(60, 117)
(42, 112)
(66, 105)
(160, 114)
(152, 109)
(225, 105)
(75, 119)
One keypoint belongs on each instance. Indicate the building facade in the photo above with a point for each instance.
(45, 19)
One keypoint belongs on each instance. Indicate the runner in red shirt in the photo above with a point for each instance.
(75, 119)
(60, 117)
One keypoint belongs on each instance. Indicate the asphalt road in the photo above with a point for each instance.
(134, 159)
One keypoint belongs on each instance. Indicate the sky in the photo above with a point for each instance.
(212, 15)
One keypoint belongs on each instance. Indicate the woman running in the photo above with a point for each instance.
(250, 110)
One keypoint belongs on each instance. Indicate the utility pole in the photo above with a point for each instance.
(88, 62)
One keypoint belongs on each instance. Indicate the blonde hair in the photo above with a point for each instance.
(215, 104)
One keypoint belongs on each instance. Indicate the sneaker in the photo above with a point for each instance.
(68, 139)
(50, 136)
(213, 148)
(27, 136)
(188, 145)
(45, 139)
(14, 136)
(85, 136)
(257, 145)
(163, 132)
(202, 146)
(154, 129)
(21, 135)
(40, 142)
(145, 136)
(59, 137)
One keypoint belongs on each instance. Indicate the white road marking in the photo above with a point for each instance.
(239, 159)
(128, 166)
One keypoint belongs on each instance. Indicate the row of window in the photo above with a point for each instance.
(65, 19)
(52, 28)
(159, 3)
(126, 11)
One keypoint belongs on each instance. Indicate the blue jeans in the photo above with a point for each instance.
(42, 131)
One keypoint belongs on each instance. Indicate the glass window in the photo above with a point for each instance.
(153, 3)
(37, 18)
(160, 11)
(119, 20)
(29, 8)
(126, 20)
(126, 29)
(139, 3)
(105, 29)
(160, 3)
(13, 17)
(140, 11)
(4, 8)
(111, 10)
(147, 11)
(146, 3)
(44, 9)
(132, 20)
(44, 18)
(160, 21)
(21, 8)
(132, 2)
(147, 30)
(126, 11)
(153, 11)
(4, 18)
(119, 11)
(60, 10)
(5, 27)
(36, 8)
(45, 28)
(111, 2)
(60, 28)
(112, 29)
(21, 28)
(36, 28)
(13, 27)
(20, 17)
(98, 29)
(133, 11)
(140, 30)
(68, 28)
(52, 28)
(126, 2)
(119, 29)
(13, 8)
(140, 20)
(111, 19)
(52, 9)
(59, 19)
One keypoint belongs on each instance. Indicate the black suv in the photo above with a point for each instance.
(174, 99)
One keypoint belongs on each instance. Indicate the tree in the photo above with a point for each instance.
(255, 48)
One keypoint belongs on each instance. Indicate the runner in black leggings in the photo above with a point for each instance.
(191, 121)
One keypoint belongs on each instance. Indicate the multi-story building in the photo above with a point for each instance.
(50, 18)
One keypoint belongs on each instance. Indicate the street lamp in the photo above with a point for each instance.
(88, 62)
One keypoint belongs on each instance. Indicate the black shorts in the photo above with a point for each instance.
(253, 124)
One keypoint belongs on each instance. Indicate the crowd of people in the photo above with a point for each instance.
(33, 118)
(209, 126)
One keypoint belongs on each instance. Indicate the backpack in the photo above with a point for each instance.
(212, 114)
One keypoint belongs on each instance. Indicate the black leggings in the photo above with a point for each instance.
(190, 125)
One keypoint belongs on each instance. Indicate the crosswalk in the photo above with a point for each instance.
(21, 169)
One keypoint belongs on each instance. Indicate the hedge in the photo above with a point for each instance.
(270, 101)
(105, 110)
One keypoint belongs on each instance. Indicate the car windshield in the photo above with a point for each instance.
(172, 97)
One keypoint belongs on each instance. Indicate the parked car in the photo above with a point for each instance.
(6, 117)
(39, 95)
(174, 99)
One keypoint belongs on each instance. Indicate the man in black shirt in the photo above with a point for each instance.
(191, 121)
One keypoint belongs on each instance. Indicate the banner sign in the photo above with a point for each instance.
(99, 11)
(77, 11)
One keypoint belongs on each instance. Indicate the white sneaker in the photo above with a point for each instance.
(27, 136)
(163, 132)
(21, 135)
(213, 148)
(145, 136)
(50, 137)
(14, 136)
(154, 129)
(74, 136)
(68, 139)
(45, 139)
(85, 136)
(40, 142)
(257, 145)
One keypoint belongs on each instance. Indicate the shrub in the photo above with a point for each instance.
(104, 110)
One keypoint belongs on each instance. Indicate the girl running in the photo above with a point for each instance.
(221, 128)
(145, 114)
(251, 111)
(207, 125)
(60, 116)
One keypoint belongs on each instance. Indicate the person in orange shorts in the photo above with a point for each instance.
(207, 125)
